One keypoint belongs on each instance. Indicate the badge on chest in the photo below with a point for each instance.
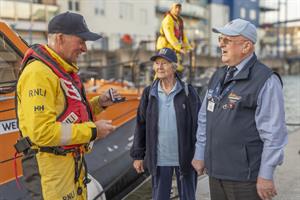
(211, 105)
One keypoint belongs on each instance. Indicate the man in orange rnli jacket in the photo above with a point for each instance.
(54, 115)
(172, 34)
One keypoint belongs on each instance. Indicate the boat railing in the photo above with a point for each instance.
(7, 86)
(5, 98)
(132, 72)
(116, 71)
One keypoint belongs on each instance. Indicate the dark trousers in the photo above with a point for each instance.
(162, 183)
(232, 190)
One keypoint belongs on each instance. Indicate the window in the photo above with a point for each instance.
(143, 16)
(77, 8)
(252, 14)
(70, 5)
(126, 11)
(243, 13)
(10, 62)
(99, 11)
(74, 5)
(100, 8)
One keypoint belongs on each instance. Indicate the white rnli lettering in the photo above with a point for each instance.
(8, 126)
(69, 196)
(71, 118)
(70, 89)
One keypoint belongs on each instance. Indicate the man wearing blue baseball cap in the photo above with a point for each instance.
(165, 134)
(241, 124)
(54, 117)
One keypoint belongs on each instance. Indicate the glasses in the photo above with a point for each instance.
(163, 64)
(227, 41)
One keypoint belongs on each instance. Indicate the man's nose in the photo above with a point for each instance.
(221, 44)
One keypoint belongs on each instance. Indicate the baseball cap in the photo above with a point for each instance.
(72, 24)
(238, 27)
(167, 54)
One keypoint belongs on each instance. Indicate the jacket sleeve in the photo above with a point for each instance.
(40, 100)
(168, 29)
(138, 148)
(201, 131)
(94, 103)
(271, 125)
(195, 104)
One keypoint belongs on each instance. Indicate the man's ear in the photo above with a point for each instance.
(246, 47)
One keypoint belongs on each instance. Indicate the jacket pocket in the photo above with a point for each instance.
(248, 101)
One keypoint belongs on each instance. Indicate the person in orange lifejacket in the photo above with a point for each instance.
(54, 117)
(172, 34)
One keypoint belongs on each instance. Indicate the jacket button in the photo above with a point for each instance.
(183, 106)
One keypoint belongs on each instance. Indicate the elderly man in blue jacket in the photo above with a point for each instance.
(165, 135)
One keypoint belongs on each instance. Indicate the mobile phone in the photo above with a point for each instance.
(113, 99)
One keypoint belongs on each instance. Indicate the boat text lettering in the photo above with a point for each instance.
(8, 126)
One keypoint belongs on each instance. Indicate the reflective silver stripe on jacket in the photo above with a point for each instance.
(66, 133)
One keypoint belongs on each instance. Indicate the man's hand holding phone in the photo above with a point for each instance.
(109, 97)
(115, 97)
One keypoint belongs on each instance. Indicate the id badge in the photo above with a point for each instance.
(211, 106)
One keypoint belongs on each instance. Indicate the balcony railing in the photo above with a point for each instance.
(189, 10)
(15, 10)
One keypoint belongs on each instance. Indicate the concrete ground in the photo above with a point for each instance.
(287, 176)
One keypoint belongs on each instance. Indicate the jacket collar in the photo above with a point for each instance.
(66, 66)
(154, 86)
(245, 71)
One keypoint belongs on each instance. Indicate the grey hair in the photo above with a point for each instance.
(174, 65)
(51, 39)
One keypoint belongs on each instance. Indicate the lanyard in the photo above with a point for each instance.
(217, 90)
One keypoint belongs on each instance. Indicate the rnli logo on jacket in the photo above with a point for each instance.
(71, 118)
(37, 92)
(70, 90)
(8, 126)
